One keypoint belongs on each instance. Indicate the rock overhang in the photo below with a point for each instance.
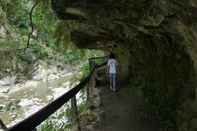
(119, 17)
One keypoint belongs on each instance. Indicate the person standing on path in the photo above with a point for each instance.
(112, 71)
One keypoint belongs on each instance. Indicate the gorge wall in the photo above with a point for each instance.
(155, 43)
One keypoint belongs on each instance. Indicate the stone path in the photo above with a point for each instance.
(123, 111)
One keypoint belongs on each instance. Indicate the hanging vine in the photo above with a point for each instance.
(31, 24)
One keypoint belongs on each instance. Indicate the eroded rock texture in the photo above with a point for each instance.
(156, 45)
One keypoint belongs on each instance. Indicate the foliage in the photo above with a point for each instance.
(51, 38)
(58, 121)
(50, 35)
(62, 120)
(85, 69)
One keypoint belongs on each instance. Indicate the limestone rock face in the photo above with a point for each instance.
(155, 43)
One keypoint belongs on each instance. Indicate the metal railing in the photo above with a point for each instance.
(31, 122)
(95, 61)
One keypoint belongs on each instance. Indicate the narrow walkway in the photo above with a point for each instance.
(124, 112)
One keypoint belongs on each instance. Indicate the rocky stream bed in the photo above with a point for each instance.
(19, 100)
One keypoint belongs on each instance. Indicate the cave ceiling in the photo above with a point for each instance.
(103, 21)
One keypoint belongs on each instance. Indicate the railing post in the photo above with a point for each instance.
(88, 92)
(91, 82)
(75, 113)
(90, 87)
(92, 64)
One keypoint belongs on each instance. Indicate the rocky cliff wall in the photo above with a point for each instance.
(155, 43)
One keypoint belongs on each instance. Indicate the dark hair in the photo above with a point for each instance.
(112, 56)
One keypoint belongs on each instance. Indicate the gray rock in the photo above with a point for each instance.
(8, 81)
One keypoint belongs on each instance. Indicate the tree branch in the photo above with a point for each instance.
(31, 23)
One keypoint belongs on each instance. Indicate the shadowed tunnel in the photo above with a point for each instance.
(155, 42)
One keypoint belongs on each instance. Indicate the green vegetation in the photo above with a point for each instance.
(21, 47)
(49, 37)
(58, 121)
(62, 119)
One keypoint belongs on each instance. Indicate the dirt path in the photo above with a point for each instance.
(124, 112)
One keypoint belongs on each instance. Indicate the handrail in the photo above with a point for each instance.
(101, 57)
(92, 62)
(37, 118)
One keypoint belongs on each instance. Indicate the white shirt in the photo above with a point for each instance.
(112, 63)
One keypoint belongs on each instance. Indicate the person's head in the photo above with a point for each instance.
(112, 56)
